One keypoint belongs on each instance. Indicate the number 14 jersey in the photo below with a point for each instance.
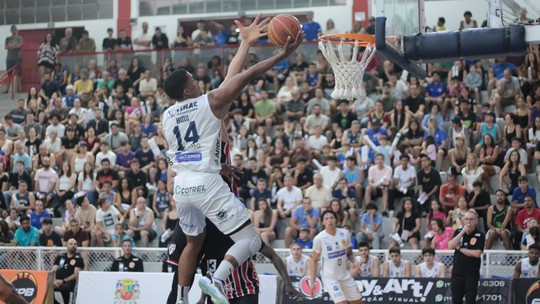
(193, 134)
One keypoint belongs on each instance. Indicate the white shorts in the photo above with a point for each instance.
(342, 290)
(199, 195)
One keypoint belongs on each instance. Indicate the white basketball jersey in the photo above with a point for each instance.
(296, 269)
(397, 271)
(366, 269)
(528, 270)
(193, 134)
(430, 273)
(333, 250)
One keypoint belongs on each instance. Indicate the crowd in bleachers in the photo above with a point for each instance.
(87, 143)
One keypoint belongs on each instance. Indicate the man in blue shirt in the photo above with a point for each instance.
(26, 235)
(37, 216)
(523, 190)
(311, 28)
(371, 227)
(436, 90)
(304, 216)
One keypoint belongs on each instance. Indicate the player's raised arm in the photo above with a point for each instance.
(221, 98)
(250, 34)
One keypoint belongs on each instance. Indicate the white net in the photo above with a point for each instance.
(348, 73)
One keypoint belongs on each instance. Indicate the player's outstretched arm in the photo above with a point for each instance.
(250, 34)
(222, 97)
(270, 253)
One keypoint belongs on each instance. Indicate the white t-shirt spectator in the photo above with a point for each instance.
(111, 156)
(330, 176)
(404, 176)
(320, 198)
(109, 218)
(87, 184)
(289, 198)
(317, 143)
(59, 128)
(46, 179)
(376, 175)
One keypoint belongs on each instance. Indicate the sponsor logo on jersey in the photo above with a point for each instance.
(188, 157)
(222, 214)
(189, 190)
(183, 108)
(172, 248)
(337, 254)
(329, 248)
(127, 291)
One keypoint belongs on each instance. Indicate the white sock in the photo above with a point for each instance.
(225, 268)
(183, 292)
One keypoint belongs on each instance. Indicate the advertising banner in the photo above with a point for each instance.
(123, 287)
(408, 290)
(34, 286)
(526, 291)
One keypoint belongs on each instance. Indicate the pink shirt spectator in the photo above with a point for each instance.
(431, 152)
(376, 175)
(441, 241)
(438, 215)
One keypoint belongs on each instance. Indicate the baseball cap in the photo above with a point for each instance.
(83, 143)
(456, 119)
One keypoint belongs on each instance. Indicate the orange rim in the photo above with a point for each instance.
(363, 39)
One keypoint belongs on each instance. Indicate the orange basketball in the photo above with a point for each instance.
(281, 27)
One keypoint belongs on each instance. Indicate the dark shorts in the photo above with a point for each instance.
(46, 64)
(176, 245)
(11, 63)
(249, 299)
(151, 235)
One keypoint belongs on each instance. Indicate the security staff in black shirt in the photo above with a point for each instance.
(127, 262)
(468, 243)
(66, 267)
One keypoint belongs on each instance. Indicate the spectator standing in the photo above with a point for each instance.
(127, 262)
(467, 22)
(47, 54)
(311, 28)
(109, 43)
(160, 40)
(86, 44)
(66, 268)
(124, 41)
(13, 45)
(68, 44)
(468, 243)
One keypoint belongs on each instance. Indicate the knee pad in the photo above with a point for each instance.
(250, 238)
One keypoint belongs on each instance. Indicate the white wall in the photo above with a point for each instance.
(453, 11)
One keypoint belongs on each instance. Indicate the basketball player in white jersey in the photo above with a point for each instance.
(367, 265)
(297, 263)
(430, 268)
(396, 267)
(192, 129)
(333, 247)
(528, 267)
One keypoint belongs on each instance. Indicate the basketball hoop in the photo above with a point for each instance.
(348, 73)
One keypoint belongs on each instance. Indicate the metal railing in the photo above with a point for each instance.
(495, 263)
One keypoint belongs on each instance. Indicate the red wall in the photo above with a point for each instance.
(124, 14)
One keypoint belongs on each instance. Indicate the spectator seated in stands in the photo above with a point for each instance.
(379, 178)
(347, 198)
(528, 267)
(265, 220)
(429, 182)
(127, 262)
(45, 182)
(22, 201)
(303, 216)
(521, 192)
(106, 219)
(261, 192)
(406, 226)
(297, 263)
(141, 223)
(396, 267)
(120, 235)
(20, 155)
(66, 268)
(320, 194)
(404, 180)
(450, 192)
(331, 173)
(48, 237)
(38, 215)
(26, 235)
(370, 230)
(526, 218)
(508, 89)
(81, 236)
(304, 240)
(499, 221)
(288, 197)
